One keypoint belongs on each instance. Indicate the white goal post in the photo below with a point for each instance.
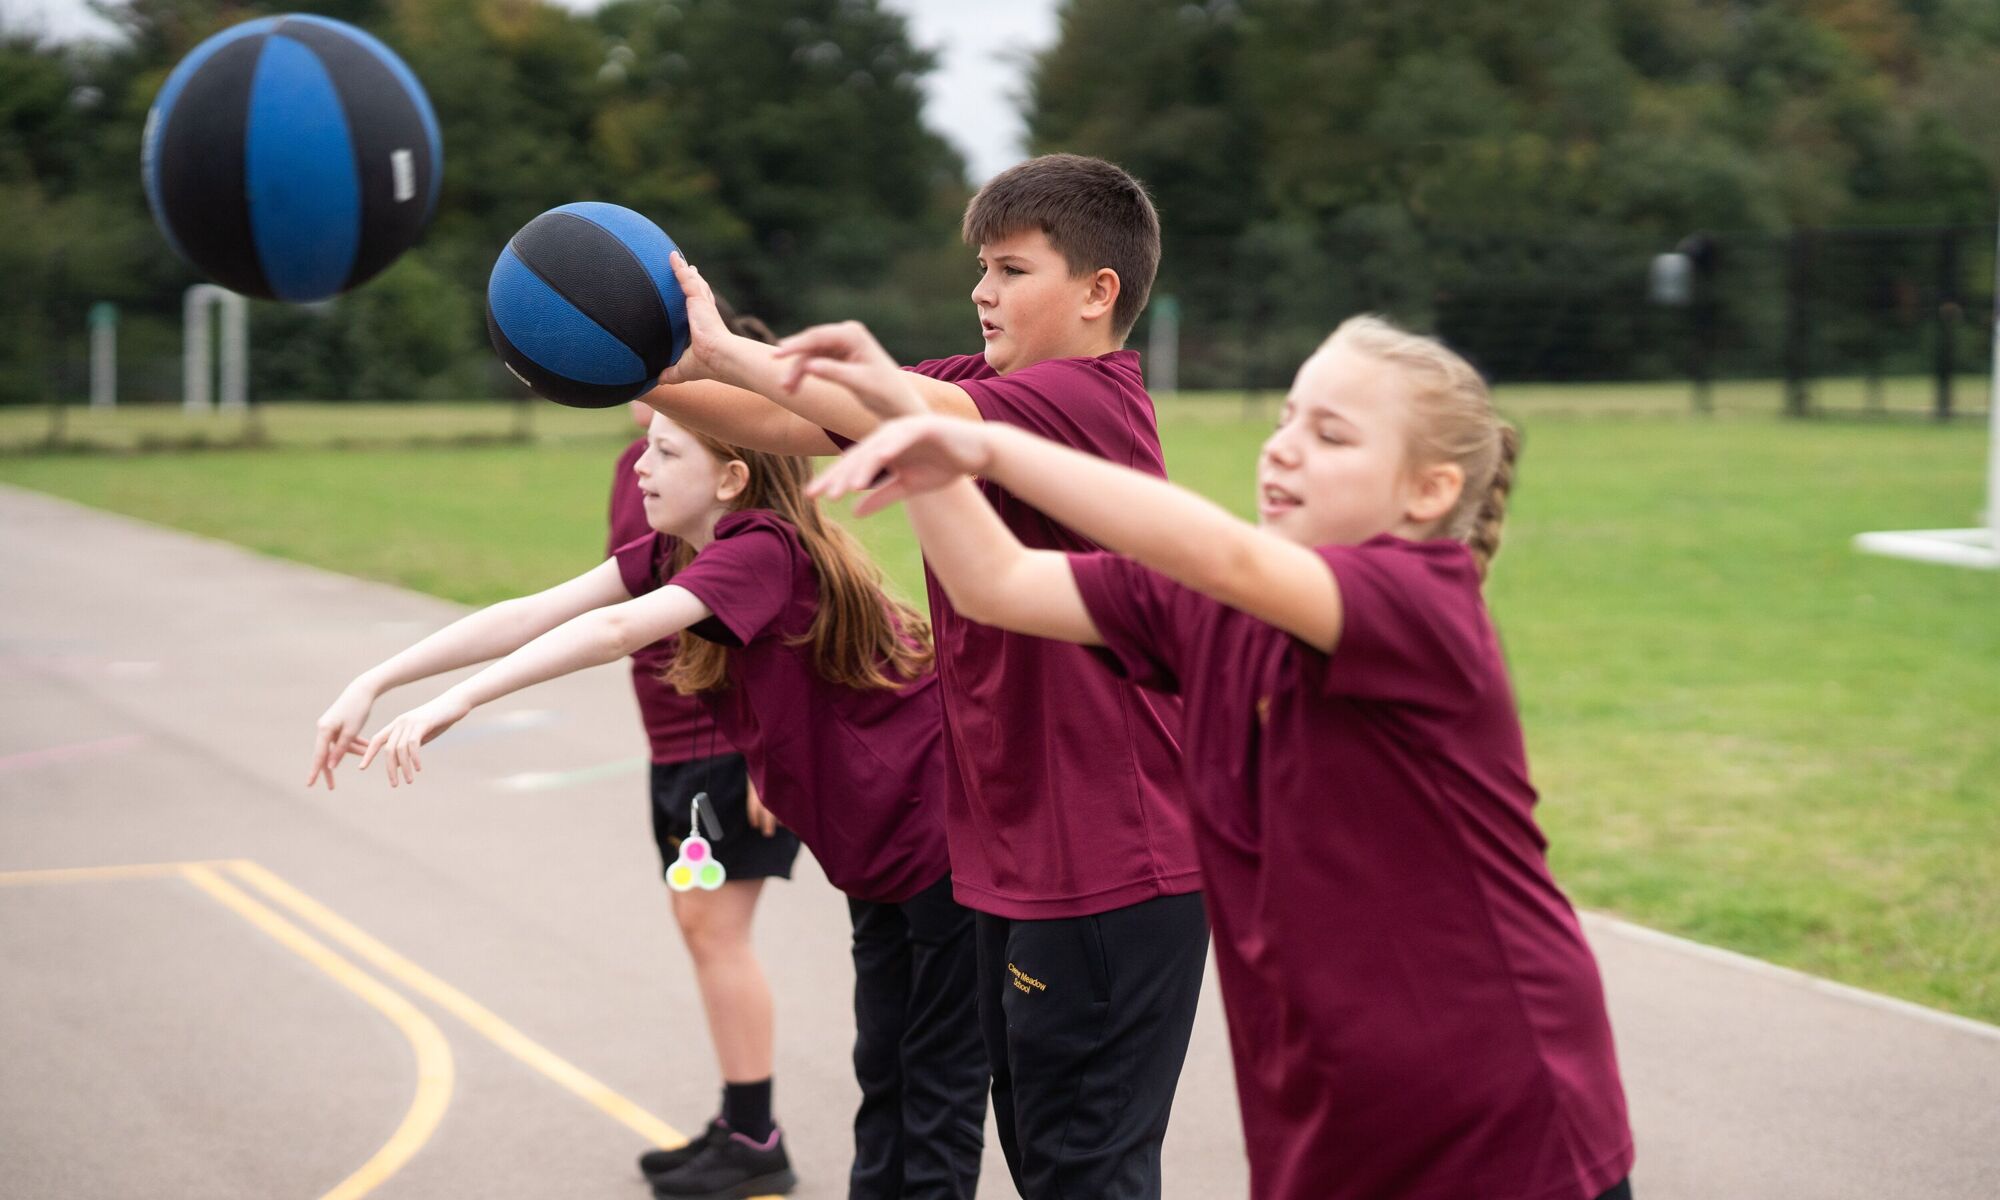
(1960, 547)
(198, 307)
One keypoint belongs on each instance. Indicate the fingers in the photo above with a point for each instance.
(870, 383)
(851, 375)
(846, 340)
(374, 747)
(883, 388)
(865, 462)
(873, 462)
(688, 274)
(319, 763)
(796, 375)
(404, 764)
(846, 477)
(848, 473)
(847, 354)
(881, 498)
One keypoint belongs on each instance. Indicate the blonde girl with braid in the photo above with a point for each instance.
(1412, 1006)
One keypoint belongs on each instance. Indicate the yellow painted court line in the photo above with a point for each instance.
(458, 1004)
(92, 874)
(433, 1053)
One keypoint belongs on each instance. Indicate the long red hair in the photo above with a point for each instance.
(861, 637)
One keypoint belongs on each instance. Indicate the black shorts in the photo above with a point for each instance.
(743, 850)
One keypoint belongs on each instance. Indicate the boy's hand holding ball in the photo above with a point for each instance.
(708, 336)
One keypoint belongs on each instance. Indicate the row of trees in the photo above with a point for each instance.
(1499, 172)
(1503, 172)
(781, 141)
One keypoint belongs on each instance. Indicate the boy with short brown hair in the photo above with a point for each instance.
(1068, 829)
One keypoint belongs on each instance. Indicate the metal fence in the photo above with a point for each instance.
(1838, 321)
(1828, 322)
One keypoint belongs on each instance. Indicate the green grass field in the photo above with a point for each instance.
(1744, 732)
(159, 428)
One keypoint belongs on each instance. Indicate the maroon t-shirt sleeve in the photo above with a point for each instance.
(745, 579)
(1071, 401)
(1413, 626)
(1134, 611)
(637, 564)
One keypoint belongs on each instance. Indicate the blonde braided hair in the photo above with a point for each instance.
(1454, 421)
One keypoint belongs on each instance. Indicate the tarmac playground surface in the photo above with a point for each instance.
(214, 983)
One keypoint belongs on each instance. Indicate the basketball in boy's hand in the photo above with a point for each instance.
(583, 306)
(291, 158)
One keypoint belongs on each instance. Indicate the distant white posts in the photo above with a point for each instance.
(103, 355)
(1960, 547)
(1163, 347)
(197, 337)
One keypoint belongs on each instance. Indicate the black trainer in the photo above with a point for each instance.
(655, 1163)
(734, 1168)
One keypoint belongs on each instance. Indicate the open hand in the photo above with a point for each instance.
(706, 328)
(847, 354)
(399, 739)
(916, 454)
(338, 733)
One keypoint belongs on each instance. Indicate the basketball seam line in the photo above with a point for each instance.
(255, 278)
(353, 148)
(666, 318)
(572, 302)
(529, 364)
(552, 285)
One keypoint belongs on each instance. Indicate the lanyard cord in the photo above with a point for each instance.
(710, 725)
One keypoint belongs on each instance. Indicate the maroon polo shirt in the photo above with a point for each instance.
(1069, 798)
(675, 725)
(1412, 1007)
(857, 773)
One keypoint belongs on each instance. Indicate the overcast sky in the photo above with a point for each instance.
(972, 97)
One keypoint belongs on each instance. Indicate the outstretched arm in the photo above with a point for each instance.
(600, 636)
(1168, 528)
(475, 638)
(737, 388)
(989, 575)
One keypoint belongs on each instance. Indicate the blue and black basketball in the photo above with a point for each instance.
(583, 305)
(292, 158)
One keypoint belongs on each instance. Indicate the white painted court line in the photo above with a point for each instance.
(1757, 966)
(545, 781)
